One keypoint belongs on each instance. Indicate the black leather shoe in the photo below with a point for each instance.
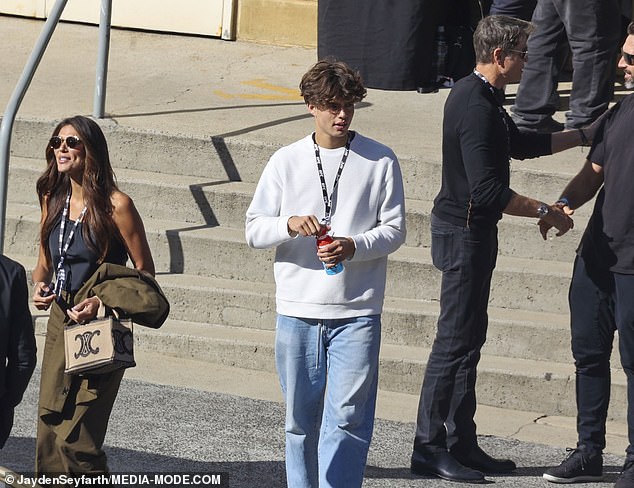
(476, 458)
(444, 465)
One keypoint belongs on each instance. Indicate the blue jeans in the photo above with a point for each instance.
(600, 303)
(466, 257)
(328, 431)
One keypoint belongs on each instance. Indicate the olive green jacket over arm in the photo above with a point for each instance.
(132, 293)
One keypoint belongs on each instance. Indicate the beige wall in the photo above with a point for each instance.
(282, 22)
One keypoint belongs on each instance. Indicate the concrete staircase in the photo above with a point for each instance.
(193, 194)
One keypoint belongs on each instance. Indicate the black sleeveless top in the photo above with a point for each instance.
(81, 261)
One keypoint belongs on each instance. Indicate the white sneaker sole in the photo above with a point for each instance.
(576, 479)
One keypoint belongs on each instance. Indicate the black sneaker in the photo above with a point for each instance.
(626, 478)
(577, 466)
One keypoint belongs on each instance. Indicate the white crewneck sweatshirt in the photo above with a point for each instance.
(368, 206)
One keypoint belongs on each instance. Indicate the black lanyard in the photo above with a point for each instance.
(60, 273)
(320, 170)
(500, 109)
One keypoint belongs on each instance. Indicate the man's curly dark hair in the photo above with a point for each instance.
(330, 80)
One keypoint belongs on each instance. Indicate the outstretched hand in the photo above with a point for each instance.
(559, 217)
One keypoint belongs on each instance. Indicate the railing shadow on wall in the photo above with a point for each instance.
(177, 256)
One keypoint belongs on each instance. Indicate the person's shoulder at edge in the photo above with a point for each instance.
(469, 99)
(289, 152)
(372, 149)
(306, 141)
(122, 204)
(466, 83)
(468, 90)
(9, 264)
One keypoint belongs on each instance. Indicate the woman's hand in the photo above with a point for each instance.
(43, 295)
(85, 311)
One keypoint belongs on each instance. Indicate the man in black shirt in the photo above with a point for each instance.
(602, 287)
(479, 138)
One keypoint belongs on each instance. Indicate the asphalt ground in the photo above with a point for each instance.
(176, 430)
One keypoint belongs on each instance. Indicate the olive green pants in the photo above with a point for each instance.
(70, 441)
(73, 411)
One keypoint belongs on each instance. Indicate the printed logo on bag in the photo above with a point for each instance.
(86, 348)
(123, 341)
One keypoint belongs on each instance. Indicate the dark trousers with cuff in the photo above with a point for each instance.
(591, 27)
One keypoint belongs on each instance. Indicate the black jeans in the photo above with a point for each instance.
(447, 405)
(592, 30)
(600, 303)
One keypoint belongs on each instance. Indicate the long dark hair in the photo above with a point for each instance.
(98, 184)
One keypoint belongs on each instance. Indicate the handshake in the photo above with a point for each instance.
(556, 215)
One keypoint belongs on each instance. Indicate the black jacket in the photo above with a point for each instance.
(17, 341)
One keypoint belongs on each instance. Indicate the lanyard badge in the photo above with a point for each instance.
(60, 272)
(322, 179)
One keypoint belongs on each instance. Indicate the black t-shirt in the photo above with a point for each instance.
(609, 238)
(479, 138)
(81, 261)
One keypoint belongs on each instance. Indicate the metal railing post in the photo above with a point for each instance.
(14, 103)
(99, 104)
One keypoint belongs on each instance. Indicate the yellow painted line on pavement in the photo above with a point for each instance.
(281, 93)
(267, 86)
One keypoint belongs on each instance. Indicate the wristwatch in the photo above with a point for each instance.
(542, 210)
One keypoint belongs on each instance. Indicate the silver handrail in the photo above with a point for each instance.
(24, 82)
(99, 104)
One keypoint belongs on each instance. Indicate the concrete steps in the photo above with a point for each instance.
(231, 322)
(192, 194)
(503, 382)
(518, 283)
(223, 203)
(239, 158)
(411, 322)
(157, 195)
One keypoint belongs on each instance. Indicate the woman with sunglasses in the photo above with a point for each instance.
(85, 222)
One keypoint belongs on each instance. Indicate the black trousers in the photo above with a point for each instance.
(600, 303)
(447, 405)
(522, 9)
(592, 30)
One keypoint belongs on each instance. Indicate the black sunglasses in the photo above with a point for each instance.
(522, 54)
(628, 58)
(71, 141)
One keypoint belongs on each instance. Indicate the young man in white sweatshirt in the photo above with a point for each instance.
(328, 327)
